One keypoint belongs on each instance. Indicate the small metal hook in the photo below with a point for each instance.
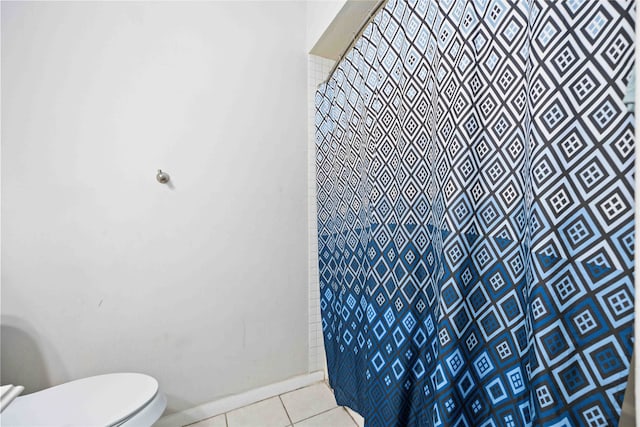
(162, 177)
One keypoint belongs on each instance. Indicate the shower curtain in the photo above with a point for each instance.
(475, 214)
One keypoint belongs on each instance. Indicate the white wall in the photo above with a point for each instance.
(103, 269)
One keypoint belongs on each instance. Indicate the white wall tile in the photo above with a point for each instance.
(318, 71)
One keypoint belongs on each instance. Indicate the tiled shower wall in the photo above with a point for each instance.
(318, 71)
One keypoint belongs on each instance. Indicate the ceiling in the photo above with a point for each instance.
(344, 28)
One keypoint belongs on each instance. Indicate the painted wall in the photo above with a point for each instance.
(202, 285)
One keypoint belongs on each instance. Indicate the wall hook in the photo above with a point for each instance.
(162, 177)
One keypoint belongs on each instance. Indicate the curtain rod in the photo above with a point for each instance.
(356, 35)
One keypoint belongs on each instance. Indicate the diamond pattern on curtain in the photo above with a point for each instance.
(475, 214)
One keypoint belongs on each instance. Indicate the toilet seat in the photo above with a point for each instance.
(103, 400)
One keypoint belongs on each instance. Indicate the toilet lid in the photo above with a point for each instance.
(103, 400)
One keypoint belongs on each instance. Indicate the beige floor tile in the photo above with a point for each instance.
(356, 416)
(217, 421)
(308, 401)
(268, 413)
(337, 417)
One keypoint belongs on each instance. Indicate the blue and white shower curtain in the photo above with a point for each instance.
(475, 213)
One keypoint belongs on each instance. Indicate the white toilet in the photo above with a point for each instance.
(123, 399)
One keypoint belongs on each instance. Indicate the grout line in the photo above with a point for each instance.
(261, 400)
(320, 413)
(351, 416)
(317, 71)
(226, 421)
(285, 409)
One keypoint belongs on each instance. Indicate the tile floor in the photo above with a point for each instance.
(312, 406)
